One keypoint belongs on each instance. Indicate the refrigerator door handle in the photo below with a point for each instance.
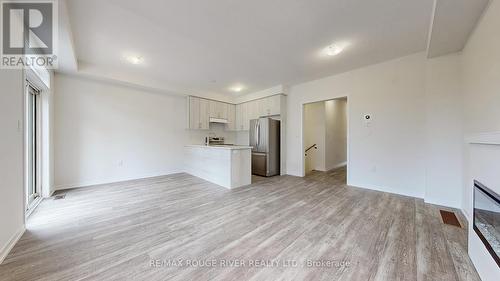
(255, 134)
(258, 134)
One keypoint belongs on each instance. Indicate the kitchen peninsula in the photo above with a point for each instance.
(226, 165)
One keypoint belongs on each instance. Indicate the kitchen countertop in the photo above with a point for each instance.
(228, 147)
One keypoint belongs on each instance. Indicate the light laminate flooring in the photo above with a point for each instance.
(179, 227)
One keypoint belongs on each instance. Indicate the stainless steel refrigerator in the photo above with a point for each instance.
(265, 142)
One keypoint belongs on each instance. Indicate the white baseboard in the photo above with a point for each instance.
(442, 203)
(466, 215)
(114, 180)
(383, 189)
(343, 164)
(12, 242)
(393, 191)
(33, 206)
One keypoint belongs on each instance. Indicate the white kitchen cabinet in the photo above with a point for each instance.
(224, 110)
(241, 117)
(198, 113)
(204, 119)
(229, 166)
(238, 116)
(247, 116)
(253, 109)
(212, 112)
(218, 109)
(274, 104)
(249, 111)
(194, 113)
(231, 117)
(263, 108)
(270, 106)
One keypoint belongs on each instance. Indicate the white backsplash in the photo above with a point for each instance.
(216, 129)
(242, 138)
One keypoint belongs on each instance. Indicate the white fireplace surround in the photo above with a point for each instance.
(482, 160)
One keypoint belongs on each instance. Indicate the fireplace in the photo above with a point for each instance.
(486, 222)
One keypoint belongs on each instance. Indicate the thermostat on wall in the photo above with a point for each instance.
(367, 118)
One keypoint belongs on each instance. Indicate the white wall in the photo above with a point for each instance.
(280, 89)
(336, 133)
(11, 159)
(481, 72)
(480, 76)
(389, 155)
(314, 133)
(481, 83)
(107, 133)
(413, 145)
(242, 138)
(444, 131)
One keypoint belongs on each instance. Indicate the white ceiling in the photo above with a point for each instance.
(201, 46)
(452, 24)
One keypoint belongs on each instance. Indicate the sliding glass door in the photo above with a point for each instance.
(32, 144)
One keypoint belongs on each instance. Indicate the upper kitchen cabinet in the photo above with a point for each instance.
(253, 110)
(231, 117)
(218, 109)
(238, 116)
(241, 117)
(270, 106)
(274, 104)
(204, 118)
(198, 113)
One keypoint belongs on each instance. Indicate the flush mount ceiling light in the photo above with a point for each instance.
(135, 59)
(333, 50)
(237, 88)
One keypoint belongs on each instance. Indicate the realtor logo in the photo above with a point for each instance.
(28, 36)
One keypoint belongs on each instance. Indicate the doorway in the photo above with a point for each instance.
(33, 149)
(325, 136)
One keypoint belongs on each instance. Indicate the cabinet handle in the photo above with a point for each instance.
(199, 125)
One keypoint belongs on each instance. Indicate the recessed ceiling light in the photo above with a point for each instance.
(237, 88)
(333, 50)
(135, 59)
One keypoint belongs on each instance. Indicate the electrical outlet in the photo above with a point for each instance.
(120, 163)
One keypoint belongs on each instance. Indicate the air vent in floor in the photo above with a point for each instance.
(59, 196)
(449, 218)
